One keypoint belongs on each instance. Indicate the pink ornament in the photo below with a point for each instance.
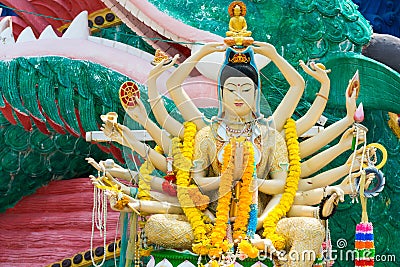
(363, 227)
(359, 114)
(368, 227)
(326, 244)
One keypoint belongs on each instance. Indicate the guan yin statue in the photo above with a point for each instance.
(238, 184)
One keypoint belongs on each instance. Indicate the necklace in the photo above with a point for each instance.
(237, 132)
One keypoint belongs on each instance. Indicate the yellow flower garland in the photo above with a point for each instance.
(291, 186)
(245, 194)
(145, 174)
(216, 244)
(219, 244)
(247, 248)
(199, 200)
(183, 156)
(222, 214)
(144, 181)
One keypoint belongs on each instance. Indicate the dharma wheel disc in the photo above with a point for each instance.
(127, 93)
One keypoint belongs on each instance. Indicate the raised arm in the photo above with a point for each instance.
(296, 82)
(139, 114)
(174, 84)
(109, 166)
(324, 179)
(128, 139)
(167, 122)
(301, 206)
(313, 144)
(331, 176)
(318, 106)
(320, 160)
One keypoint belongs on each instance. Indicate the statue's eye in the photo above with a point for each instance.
(230, 89)
(246, 88)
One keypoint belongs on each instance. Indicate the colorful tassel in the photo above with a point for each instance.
(364, 244)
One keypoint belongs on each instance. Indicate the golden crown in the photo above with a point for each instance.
(239, 58)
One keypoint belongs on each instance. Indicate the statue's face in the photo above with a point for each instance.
(237, 11)
(239, 96)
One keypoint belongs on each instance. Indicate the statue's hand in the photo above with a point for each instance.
(337, 191)
(110, 130)
(329, 205)
(94, 163)
(94, 180)
(347, 138)
(336, 194)
(113, 198)
(357, 160)
(351, 105)
(238, 164)
(316, 72)
(115, 131)
(345, 184)
(161, 68)
(138, 113)
(209, 48)
(263, 244)
(265, 48)
(121, 202)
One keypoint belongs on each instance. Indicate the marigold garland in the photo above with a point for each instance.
(220, 244)
(199, 200)
(145, 177)
(222, 214)
(246, 194)
(291, 186)
(183, 156)
(247, 248)
(144, 181)
(244, 226)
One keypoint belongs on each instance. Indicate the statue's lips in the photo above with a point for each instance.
(239, 104)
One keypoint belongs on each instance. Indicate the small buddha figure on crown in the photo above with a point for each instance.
(238, 33)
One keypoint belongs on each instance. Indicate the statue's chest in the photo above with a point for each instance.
(259, 157)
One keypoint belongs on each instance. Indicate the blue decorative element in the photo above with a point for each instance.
(124, 238)
(380, 184)
(252, 224)
(133, 191)
(7, 12)
(382, 14)
(364, 237)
